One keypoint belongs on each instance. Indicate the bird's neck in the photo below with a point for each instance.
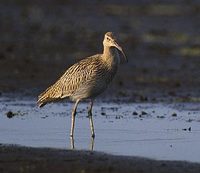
(111, 56)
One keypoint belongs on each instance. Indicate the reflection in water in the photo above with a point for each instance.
(91, 147)
(72, 142)
(91, 143)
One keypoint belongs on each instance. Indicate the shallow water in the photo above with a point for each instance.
(159, 131)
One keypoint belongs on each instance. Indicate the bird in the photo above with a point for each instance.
(86, 79)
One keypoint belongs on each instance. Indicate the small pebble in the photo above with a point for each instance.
(160, 116)
(189, 129)
(135, 113)
(143, 113)
(103, 113)
(10, 114)
(174, 115)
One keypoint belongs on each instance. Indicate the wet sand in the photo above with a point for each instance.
(25, 159)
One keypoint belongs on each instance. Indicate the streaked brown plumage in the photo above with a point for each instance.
(86, 79)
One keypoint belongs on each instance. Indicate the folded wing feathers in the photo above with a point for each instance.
(76, 75)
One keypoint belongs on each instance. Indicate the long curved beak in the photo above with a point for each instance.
(120, 49)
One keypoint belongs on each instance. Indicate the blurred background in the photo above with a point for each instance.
(39, 40)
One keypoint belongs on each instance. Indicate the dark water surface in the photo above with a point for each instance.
(154, 130)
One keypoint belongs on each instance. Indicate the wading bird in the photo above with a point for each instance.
(86, 79)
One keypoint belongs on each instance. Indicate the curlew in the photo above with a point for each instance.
(86, 79)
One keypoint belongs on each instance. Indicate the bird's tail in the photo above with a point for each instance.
(49, 95)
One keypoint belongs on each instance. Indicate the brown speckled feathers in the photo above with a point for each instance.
(80, 78)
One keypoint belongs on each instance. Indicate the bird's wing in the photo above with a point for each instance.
(77, 75)
(71, 80)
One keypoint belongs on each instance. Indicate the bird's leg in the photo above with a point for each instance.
(73, 118)
(90, 118)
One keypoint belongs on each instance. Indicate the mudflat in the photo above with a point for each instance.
(26, 159)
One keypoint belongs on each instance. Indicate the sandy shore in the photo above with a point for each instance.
(26, 159)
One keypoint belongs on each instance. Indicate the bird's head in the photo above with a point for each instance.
(110, 41)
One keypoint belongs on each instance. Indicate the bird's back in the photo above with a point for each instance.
(87, 78)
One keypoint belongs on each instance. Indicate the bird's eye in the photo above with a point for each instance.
(108, 39)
